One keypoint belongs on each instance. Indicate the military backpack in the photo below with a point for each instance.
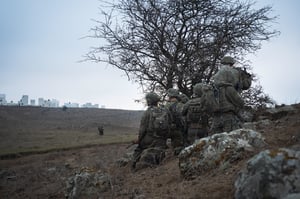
(176, 115)
(159, 120)
(194, 111)
(210, 98)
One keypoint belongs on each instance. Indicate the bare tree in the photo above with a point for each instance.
(177, 43)
(256, 98)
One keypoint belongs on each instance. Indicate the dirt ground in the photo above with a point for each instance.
(45, 175)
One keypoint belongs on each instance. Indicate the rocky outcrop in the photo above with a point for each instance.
(88, 184)
(218, 151)
(270, 174)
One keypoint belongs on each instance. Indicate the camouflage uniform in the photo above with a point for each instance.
(226, 118)
(227, 74)
(238, 77)
(151, 145)
(177, 127)
(196, 117)
(183, 98)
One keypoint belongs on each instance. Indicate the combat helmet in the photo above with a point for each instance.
(197, 89)
(152, 98)
(227, 60)
(172, 92)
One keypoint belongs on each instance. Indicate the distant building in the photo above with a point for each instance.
(2, 99)
(71, 105)
(48, 103)
(90, 105)
(41, 101)
(54, 103)
(24, 101)
(32, 102)
(11, 103)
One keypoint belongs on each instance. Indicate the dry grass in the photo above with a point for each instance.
(55, 140)
(29, 130)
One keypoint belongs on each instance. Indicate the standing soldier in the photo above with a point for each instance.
(225, 118)
(153, 133)
(196, 116)
(238, 77)
(177, 127)
(101, 130)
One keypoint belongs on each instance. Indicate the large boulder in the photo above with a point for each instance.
(270, 174)
(218, 150)
(88, 184)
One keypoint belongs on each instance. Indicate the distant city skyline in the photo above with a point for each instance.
(25, 100)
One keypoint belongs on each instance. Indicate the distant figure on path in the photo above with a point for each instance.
(101, 130)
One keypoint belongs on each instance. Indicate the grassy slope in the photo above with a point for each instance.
(37, 129)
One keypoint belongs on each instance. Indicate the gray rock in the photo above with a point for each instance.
(270, 174)
(258, 125)
(88, 184)
(218, 151)
(247, 115)
(249, 125)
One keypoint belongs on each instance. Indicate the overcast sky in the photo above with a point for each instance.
(40, 47)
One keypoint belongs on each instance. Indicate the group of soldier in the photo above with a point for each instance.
(186, 120)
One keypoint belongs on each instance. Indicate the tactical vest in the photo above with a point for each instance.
(159, 121)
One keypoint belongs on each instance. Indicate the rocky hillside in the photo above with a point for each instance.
(56, 174)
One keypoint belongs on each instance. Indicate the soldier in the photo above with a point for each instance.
(101, 130)
(177, 127)
(196, 116)
(239, 78)
(225, 118)
(183, 98)
(153, 133)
